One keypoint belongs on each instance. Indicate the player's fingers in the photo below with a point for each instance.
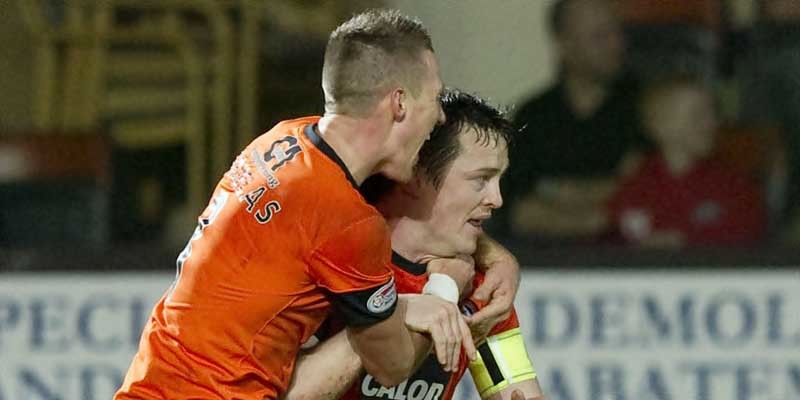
(486, 288)
(454, 321)
(492, 312)
(466, 340)
(451, 336)
(439, 343)
(483, 315)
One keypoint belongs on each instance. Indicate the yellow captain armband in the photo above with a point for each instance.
(502, 361)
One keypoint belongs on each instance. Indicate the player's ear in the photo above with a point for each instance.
(398, 104)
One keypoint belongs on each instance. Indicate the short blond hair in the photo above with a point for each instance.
(367, 54)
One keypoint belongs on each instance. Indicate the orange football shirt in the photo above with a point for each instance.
(285, 236)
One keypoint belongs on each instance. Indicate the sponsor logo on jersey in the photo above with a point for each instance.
(383, 299)
(269, 175)
(418, 389)
(429, 382)
(281, 152)
(240, 175)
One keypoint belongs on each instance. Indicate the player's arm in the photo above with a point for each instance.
(422, 316)
(327, 370)
(498, 288)
(353, 265)
(503, 368)
(332, 367)
(500, 266)
(321, 381)
(391, 350)
(490, 254)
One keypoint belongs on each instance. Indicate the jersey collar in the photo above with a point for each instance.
(312, 135)
(407, 265)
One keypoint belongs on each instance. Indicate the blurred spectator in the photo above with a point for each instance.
(757, 152)
(659, 12)
(681, 197)
(770, 91)
(665, 38)
(577, 134)
(781, 11)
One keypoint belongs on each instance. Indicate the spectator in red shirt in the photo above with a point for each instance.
(680, 196)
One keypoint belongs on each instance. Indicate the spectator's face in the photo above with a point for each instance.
(591, 41)
(422, 113)
(470, 190)
(686, 122)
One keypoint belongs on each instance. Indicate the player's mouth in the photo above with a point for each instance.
(478, 221)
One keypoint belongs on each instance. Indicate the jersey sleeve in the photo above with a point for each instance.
(353, 265)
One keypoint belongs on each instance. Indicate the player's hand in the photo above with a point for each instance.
(498, 289)
(441, 319)
(461, 269)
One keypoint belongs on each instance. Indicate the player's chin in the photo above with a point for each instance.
(469, 247)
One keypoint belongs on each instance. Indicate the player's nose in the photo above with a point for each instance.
(494, 198)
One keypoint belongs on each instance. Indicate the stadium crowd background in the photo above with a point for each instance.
(117, 118)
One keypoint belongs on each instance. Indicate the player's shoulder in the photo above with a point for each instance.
(273, 162)
(321, 185)
(286, 141)
(317, 174)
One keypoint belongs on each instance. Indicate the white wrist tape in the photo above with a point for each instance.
(443, 286)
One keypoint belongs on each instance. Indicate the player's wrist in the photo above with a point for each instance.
(442, 286)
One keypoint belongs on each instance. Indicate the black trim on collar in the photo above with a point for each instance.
(407, 265)
(311, 134)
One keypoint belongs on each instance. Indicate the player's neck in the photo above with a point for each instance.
(413, 243)
(352, 139)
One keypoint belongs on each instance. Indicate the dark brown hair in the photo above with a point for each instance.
(464, 112)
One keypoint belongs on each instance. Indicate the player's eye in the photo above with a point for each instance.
(480, 181)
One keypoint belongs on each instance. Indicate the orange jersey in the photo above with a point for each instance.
(285, 236)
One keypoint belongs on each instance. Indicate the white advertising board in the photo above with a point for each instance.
(701, 335)
(616, 335)
(71, 337)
